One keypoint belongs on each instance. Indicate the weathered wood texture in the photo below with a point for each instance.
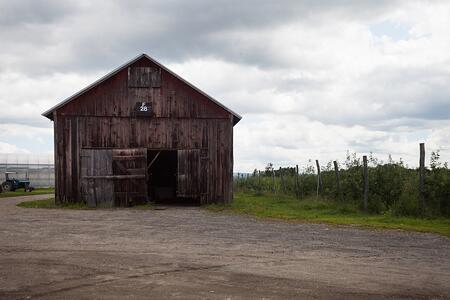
(182, 119)
(188, 173)
(173, 99)
(130, 176)
(97, 187)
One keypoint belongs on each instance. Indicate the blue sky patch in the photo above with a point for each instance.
(394, 30)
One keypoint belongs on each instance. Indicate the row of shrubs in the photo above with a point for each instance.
(393, 187)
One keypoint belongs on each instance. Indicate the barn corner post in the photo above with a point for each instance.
(230, 158)
(56, 159)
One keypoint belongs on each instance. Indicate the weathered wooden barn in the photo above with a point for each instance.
(142, 133)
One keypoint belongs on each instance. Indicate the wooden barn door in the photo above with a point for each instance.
(130, 176)
(97, 186)
(188, 173)
(114, 177)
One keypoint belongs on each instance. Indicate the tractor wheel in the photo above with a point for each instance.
(28, 188)
(7, 187)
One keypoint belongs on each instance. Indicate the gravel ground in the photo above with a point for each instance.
(190, 253)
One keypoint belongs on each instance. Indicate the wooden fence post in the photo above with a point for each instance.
(259, 180)
(338, 181)
(422, 177)
(280, 170)
(319, 179)
(366, 183)
(273, 180)
(297, 192)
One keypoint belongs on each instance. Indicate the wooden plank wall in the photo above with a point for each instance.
(188, 173)
(113, 177)
(212, 136)
(97, 192)
(173, 99)
(131, 163)
(182, 119)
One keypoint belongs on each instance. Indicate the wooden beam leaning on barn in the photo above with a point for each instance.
(153, 160)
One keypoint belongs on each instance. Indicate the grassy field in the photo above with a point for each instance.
(50, 203)
(323, 211)
(21, 192)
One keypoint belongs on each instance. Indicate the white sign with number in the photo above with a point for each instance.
(144, 107)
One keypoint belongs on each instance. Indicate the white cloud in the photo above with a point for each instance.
(311, 79)
(24, 98)
(8, 148)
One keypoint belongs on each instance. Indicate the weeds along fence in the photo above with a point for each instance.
(38, 168)
(364, 182)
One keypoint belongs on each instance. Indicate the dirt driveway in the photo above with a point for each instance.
(189, 253)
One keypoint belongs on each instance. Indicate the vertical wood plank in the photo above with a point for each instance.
(188, 173)
(56, 157)
(75, 155)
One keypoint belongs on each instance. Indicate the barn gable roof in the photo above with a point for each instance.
(49, 113)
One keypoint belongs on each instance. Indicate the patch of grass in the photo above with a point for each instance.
(324, 211)
(50, 203)
(21, 192)
(147, 206)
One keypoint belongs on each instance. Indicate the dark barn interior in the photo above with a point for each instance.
(142, 133)
(162, 177)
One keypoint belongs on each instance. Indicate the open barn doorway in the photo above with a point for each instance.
(164, 179)
(162, 176)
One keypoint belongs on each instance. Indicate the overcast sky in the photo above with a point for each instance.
(311, 79)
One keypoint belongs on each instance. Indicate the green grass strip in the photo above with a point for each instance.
(21, 192)
(324, 211)
(50, 204)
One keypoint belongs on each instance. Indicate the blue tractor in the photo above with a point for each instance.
(12, 184)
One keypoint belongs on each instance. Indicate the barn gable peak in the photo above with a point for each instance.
(49, 113)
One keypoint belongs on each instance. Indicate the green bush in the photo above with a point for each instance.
(392, 186)
(408, 202)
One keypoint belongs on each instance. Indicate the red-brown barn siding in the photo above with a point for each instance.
(183, 118)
